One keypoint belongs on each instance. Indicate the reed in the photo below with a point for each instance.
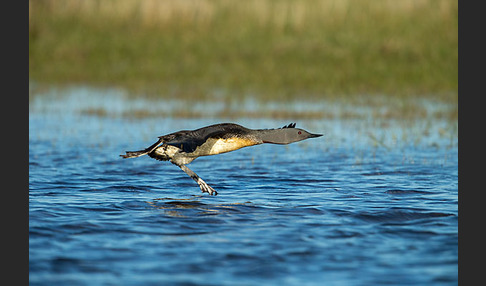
(270, 49)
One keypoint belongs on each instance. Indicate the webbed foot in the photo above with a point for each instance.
(205, 188)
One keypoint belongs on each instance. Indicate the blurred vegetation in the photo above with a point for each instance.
(270, 49)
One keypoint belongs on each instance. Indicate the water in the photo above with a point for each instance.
(369, 203)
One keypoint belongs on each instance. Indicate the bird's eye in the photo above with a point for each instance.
(300, 132)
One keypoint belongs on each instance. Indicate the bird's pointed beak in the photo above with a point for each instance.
(315, 135)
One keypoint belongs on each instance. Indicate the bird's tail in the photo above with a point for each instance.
(134, 154)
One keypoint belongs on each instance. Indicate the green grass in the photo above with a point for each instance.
(272, 50)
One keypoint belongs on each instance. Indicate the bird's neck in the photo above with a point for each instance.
(273, 136)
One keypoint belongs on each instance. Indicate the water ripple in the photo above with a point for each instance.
(335, 211)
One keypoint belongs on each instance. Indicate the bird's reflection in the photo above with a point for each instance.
(193, 206)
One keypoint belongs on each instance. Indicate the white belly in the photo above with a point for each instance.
(166, 152)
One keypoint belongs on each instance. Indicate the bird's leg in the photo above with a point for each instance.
(203, 185)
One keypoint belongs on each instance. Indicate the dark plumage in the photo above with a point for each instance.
(182, 147)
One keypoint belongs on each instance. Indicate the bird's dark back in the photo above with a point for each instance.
(189, 140)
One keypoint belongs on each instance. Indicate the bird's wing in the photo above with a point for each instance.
(186, 140)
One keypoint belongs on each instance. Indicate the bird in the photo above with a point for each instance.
(182, 147)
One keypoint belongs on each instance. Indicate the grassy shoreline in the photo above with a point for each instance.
(272, 50)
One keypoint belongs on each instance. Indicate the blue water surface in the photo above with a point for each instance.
(368, 203)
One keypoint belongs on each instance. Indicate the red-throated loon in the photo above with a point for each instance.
(182, 147)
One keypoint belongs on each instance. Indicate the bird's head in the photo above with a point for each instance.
(291, 135)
